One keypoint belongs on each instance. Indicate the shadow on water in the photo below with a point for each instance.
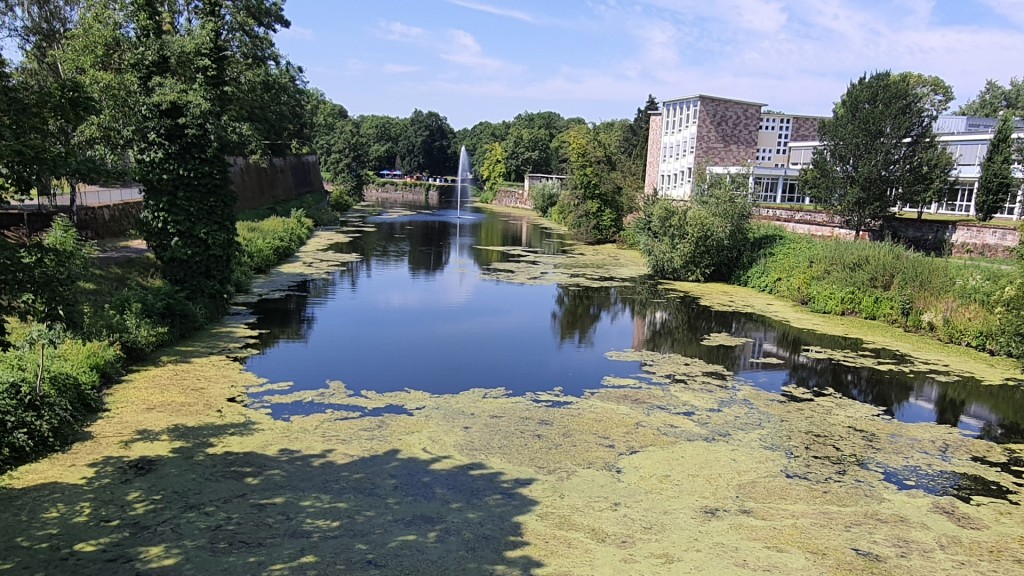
(194, 511)
(415, 312)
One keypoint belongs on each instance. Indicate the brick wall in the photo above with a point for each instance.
(726, 133)
(653, 153)
(805, 129)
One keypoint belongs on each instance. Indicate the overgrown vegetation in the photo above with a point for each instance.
(76, 324)
(696, 240)
(544, 196)
(266, 242)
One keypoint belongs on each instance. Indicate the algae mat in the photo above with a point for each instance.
(679, 470)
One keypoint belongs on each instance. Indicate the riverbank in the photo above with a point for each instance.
(682, 468)
(122, 311)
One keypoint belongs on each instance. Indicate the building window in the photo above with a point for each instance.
(764, 189)
(791, 192)
(960, 200)
(1010, 208)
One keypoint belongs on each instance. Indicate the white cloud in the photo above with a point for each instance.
(399, 68)
(497, 11)
(463, 49)
(394, 30)
(1010, 9)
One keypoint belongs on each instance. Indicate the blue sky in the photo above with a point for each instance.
(474, 60)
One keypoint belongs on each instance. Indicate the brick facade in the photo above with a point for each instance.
(726, 132)
(805, 128)
(653, 152)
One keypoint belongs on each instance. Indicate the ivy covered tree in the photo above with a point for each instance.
(878, 137)
(997, 183)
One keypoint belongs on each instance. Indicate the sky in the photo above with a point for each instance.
(474, 60)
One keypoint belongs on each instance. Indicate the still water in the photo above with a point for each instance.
(415, 313)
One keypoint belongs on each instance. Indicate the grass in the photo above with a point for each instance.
(959, 302)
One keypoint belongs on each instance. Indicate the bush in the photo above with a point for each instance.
(39, 279)
(589, 218)
(485, 195)
(35, 421)
(544, 196)
(267, 242)
(699, 240)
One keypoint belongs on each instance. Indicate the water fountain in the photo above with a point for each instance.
(464, 179)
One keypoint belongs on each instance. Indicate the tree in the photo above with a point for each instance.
(995, 98)
(935, 93)
(879, 129)
(493, 168)
(383, 135)
(640, 128)
(482, 135)
(427, 144)
(529, 151)
(591, 206)
(927, 177)
(996, 183)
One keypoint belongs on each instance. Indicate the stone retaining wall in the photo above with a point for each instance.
(402, 193)
(110, 220)
(956, 238)
(278, 180)
(513, 197)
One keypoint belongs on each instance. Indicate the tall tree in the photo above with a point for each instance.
(428, 143)
(879, 128)
(383, 136)
(995, 98)
(493, 165)
(935, 93)
(997, 183)
(592, 205)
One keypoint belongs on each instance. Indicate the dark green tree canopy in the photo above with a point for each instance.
(997, 184)
(428, 143)
(995, 98)
(879, 133)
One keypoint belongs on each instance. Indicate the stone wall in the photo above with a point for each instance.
(513, 197)
(653, 152)
(936, 237)
(280, 179)
(805, 129)
(110, 220)
(726, 132)
(400, 192)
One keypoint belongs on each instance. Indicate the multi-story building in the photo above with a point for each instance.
(703, 131)
(722, 135)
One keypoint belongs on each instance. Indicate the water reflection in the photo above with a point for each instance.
(415, 313)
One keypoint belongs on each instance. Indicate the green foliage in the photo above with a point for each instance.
(997, 182)
(494, 166)
(38, 280)
(382, 135)
(959, 303)
(428, 144)
(267, 242)
(873, 144)
(544, 196)
(995, 98)
(485, 195)
(1009, 309)
(699, 240)
(591, 206)
(37, 420)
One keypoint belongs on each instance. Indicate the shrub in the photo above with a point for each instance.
(267, 242)
(544, 196)
(35, 421)
(485, 195)
(699, 240)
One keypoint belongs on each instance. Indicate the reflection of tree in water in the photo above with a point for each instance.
(200, 512)
(496, 231)
(290, 317)
(678, 325)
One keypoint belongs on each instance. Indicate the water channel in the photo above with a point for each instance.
(415, 312)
